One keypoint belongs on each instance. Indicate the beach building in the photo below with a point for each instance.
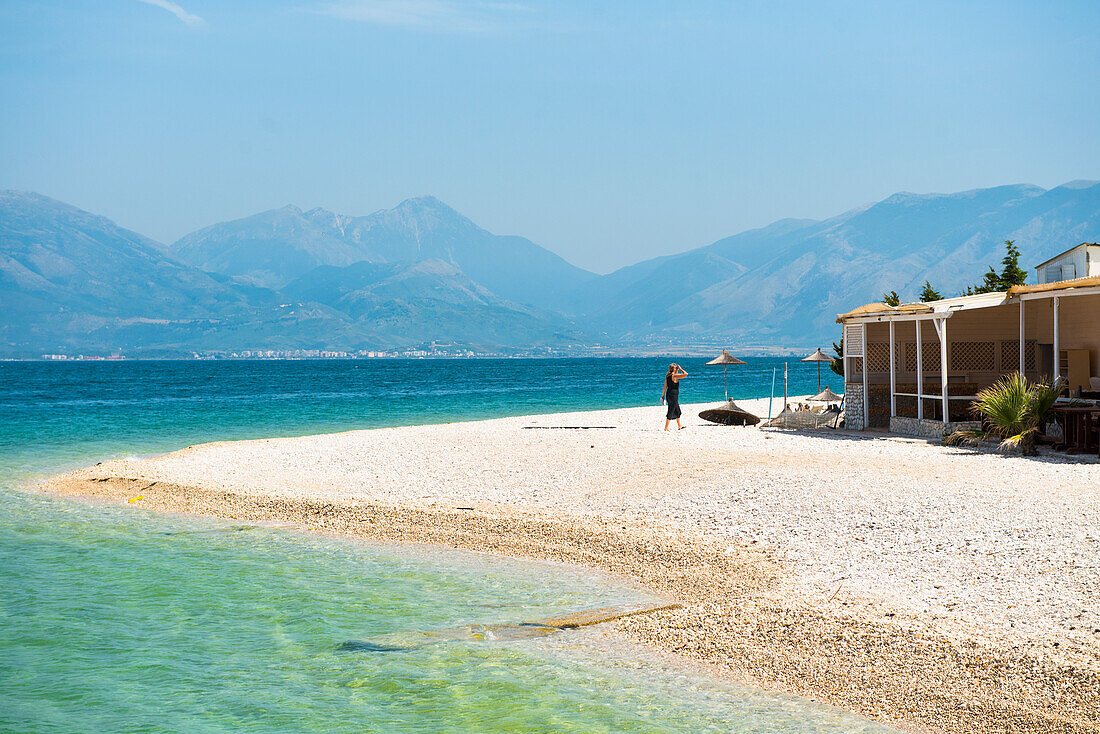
(915, 368)
(1082, 261)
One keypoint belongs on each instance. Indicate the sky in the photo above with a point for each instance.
(607, 132)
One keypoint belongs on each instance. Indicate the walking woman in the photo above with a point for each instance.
(671, 393)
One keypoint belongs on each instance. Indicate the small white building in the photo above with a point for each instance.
(1082, 261)
(917, 367)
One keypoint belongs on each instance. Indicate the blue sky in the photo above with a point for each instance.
(608, 132)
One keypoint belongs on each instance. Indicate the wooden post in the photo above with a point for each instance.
(920, 375)
(1022, 302)
(866, 393)
(1057, 358)
(893, 377)
(784, 387)
(771, 395)
(941, 330)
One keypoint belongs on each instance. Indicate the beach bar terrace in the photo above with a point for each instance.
(916, 368)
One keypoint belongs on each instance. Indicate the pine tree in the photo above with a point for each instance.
(929, 293)
(1011, 273)
(837, 365)
(991, 283)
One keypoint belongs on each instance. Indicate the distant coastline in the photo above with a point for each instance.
(318, 354)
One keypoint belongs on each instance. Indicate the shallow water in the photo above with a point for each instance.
(116, 619)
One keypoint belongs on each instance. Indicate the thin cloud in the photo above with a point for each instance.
(189, 18)
(434, 15)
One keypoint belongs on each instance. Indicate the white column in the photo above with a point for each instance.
(920, 375)
(1057, 359)
(893, 378)
(942, 331)
(1022, 302)
(866, 394)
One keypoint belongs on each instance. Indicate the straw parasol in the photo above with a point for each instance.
(729, 414)
(726, 359)
(819, 357)
(825, 396)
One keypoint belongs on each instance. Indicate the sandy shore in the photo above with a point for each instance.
(929, 587)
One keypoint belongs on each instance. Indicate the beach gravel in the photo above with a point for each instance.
(930, 587)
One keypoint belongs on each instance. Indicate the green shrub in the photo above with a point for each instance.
(1013, 411)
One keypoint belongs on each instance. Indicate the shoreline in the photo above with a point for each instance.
(751, 611)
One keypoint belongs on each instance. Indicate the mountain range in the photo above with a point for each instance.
(421, 272)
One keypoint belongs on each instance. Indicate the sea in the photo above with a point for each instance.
(116, 619)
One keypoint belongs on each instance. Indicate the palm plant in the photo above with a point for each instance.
(1015, 411)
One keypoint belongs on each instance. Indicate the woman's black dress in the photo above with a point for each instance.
(672, 397)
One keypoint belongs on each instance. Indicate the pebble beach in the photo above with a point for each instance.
(933, 588)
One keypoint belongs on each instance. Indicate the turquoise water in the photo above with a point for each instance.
(65, 414)
(116, 619)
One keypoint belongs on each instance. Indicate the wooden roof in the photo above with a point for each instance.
(879, 308)
(1060, 285)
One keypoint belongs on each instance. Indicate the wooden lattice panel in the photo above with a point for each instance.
(878, 356)
(1010, 355)
(930, 356)
(973, 356)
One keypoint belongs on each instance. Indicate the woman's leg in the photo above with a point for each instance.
(678, 426)
(666, 423)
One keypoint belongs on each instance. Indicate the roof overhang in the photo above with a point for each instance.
(1075, 287)
(942, 309)
(880, 309)
(879, 312)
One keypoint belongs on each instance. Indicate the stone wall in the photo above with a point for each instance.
(928, 428)
(853, 406)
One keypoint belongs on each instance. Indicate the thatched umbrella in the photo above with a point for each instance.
(726, 359)
(819, 357)
(729, 414)
(825, 396)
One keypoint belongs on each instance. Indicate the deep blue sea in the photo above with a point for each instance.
(116, 619)
(65, 414)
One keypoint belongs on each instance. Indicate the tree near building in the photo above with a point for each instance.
(1011, 274)
(837, 365)
(928, 293)
(992, 282)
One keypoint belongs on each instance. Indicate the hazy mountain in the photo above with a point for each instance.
(70, 280)
(797, 275)
(268, 249)
(74, 281)
(275, 247)
(65, 273)
(430, 300)
(56, 257)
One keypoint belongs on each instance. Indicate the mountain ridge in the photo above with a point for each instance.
(273, 248)
(420, 272)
